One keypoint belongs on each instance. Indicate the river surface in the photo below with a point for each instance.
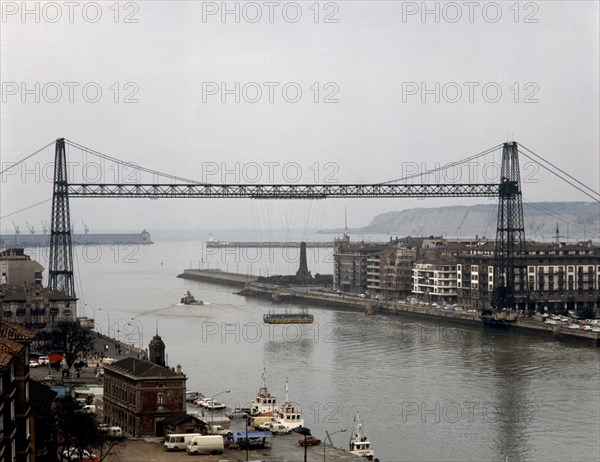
(426, 391)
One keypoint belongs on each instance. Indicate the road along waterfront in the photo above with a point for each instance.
(426, 390)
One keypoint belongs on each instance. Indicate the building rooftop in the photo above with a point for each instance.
(12, 331)
(141, 369)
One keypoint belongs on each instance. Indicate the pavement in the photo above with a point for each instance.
(285, 449)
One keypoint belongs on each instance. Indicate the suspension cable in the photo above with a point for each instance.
(120, 162)
(561, 171)
(450, 165)
(27, 157)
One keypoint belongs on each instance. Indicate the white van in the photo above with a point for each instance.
(179, 441)
(275, 428)
(210, 444)
(115, 432)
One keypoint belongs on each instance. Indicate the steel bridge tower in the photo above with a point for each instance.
(61, 249)
(510, 264)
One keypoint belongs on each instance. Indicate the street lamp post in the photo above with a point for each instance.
(212, 400)
(303, 431)
(140, 331)
(108, 317)
(93, 309)
(329, 435)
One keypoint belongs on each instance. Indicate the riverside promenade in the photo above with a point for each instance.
(326, 298)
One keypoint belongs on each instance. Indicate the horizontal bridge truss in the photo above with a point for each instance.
(281, 191)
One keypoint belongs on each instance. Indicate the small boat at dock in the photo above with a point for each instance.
(265, 404)
(359, 444)
(302, 317)
(289, 414)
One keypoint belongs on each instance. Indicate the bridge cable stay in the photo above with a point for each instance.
(558, 216)
(446, 166)
(11, 166)
(130, 164)
(563, 176)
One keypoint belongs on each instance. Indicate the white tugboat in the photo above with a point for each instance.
(289, 414)
(188, 299)
(359, 444)
(265, 404)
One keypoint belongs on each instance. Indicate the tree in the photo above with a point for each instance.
(586, 312)
(71, 339)
(79, 430)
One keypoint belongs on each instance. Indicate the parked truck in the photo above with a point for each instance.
(208, 444)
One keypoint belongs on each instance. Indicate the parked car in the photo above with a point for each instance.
(33, 363)
(79, 455)
(309, 441)
(190, 396)
(237, 414)
(43, 360)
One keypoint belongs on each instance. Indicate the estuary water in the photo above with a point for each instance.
(426, 391)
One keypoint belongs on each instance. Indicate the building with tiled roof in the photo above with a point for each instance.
(140, 395)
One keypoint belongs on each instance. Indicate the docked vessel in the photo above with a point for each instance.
(289, 414)
(302, 317)
(264, 404)
(188, 299)
(359, 444)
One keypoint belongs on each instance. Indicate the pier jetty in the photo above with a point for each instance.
(217, 276)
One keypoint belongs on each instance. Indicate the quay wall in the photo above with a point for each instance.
(277, 293)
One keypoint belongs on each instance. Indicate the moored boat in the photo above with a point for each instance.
(264, 404)
(359, 444)
(289, 414)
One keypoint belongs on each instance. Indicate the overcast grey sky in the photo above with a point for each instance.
(369, 74)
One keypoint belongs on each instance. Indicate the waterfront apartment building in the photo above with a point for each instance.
(139, 396)
(383, 268)
(435, 282)
(560, 277)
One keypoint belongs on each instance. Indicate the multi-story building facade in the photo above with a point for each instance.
(140, 395)
(560, 277)
(435, 282)
(23, 300)
(16, 422)
(377, 268)
(351, 261)
(35, 307)
(18, 269)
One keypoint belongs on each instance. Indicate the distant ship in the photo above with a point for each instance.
(43, 240)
